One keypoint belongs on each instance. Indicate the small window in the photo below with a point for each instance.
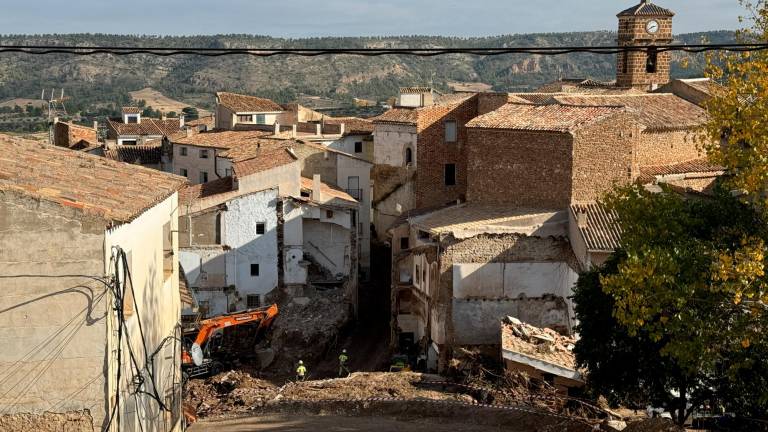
(358, 147)
(450, 131)
(203, 177)
(183, 151)
(651, 61)
(132, 119)
(261, 119)
(183, 172)
(408, 156)
(329, 214)
(260, 228)
(404, 243)
(203, 154)
(129, 142)
(450, 174)
(227, 172)
(254, 269)
(245, 119)
(253, 301)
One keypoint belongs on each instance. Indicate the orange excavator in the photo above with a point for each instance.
(195, 362)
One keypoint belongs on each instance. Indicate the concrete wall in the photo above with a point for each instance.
(151, 242)
(390, 142)
(53, 330)
(193, 163)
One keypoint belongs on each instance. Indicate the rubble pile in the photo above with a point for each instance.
(306, 329)
(228, 392)
(653, 425)
(538, 341)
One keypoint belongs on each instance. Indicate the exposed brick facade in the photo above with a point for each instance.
(68, 134)
(668, 147)
(549, 170)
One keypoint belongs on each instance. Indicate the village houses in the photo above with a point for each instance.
(89, 257)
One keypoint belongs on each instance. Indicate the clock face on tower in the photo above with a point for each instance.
(652, 27)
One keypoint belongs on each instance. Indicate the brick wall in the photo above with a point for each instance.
(526, 169)
(632, 31)
(67, 135)
(434, 153)
(660, 148)
(603, 156)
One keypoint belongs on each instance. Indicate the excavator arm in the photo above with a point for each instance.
(264, 316)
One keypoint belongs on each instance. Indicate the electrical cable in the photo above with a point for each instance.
(373, 52)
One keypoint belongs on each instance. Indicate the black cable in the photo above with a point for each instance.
(373, 52)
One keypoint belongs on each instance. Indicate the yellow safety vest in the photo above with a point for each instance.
(301, 370)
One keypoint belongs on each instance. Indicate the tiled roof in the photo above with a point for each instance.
(547, 118)
(601, 232)
(221, 139)
(648, 173)
(244, 103)
(352, 125)
(704, 85)
(131, 110)
(193, 192)
(257, 147)
(115, 191)
(333, 150)
(264, 159)
(398, 115)
(138, 154)
(208, 121)
(148, 126)
(415, 89)
(327, 190)
(658, 112)
(646, 8)
(544, 345)
(471, 219)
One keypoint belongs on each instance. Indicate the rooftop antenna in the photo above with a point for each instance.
(56, 109)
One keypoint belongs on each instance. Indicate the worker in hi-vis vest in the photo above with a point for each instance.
(301, 371)
(343, 358)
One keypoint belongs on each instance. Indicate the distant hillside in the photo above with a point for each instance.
(104, 81)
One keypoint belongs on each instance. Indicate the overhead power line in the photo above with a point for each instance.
(370, 52)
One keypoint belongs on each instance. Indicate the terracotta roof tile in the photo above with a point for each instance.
(646, 8)
(221, 139)
(547, 118)
(697, 166)
(148, 126)
(191, 193)
(264, 159)
(471, 219)
(544, 345)
(327, 190)
(131, 110)
(657, 111)
(115, 191)
(601, 232)
(352, 125)
(244, 103)
(207, 121)
(398, 115)
(139, 154)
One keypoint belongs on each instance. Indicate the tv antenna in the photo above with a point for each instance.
(56, 108)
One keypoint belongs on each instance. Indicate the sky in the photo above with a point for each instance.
(309, 18)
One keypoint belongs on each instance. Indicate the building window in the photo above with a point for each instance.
(254, 270)
(651, 61)
(203, 154)
(245, 118)
(450, 131)
(450, 174)
(404, 243)
(408, 156)
(227, 172)
(261, 119)
(203, 177)
(358, 147)
(132, 118)
(329, 214)
(253, 301)
(128, 142)
(261, 228)
(182, 151)
(183, 172)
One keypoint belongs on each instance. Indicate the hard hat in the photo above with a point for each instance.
(301, 362)
(344, 350)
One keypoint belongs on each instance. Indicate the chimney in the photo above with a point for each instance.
(294, 130)
(55, 120)
(181, 121)
(277, 128)
(95, 125)
(317, 191)
(318, 129)
(189, 132)
(581, 218)
(162, 116)
(341, 129)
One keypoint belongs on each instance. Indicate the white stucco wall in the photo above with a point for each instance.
(287, 178)
(390, 141)
(328, 241)
(510, 280)
(293, 244)
(156, 289)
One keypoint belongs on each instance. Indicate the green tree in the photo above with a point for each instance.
(190, 113)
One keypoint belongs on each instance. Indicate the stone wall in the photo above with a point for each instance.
(668, 147)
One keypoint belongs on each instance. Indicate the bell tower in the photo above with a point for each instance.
(645, 24)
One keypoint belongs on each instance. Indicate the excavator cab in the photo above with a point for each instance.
(198, 346)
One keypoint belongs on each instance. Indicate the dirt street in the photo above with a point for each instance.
(300, 423)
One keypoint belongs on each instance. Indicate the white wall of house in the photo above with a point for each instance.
(193, 163)
(347, 144)
(139, 139)
(390, 141)
(152, 246)
(293, 244)
(510, 280)
(348, 169)
(287, 178)
(328, 240)
(239, 227)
